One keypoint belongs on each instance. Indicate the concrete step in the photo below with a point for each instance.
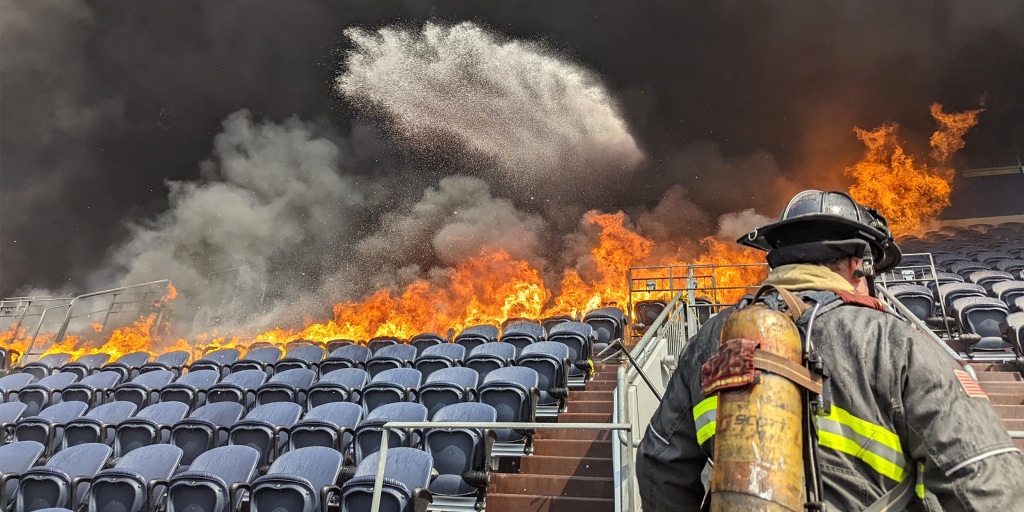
(1010, 412)
(591, 406)
(591, 395)
(1002, 387)
(576, 435)
(552, 485)
(530, 503)
(600, 385)
(573, 448)
(1019, 443)
(1006, 398)
(1016, 424)
(585, 417)
(999, 377)
(574, 466)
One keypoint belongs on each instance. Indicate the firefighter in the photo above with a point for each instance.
(901, 408)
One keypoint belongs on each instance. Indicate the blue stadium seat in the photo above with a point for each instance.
(472, 337)
(448, 386)
(93, 389)
(369, 431)
(265, 428)
(389, 386)
(215, 481)
(98, 425)
(151, 425)
(349, 356)
(190, 388)
(86, 365)
(137, 482)
(262, 359)
(54, 484)
(460, 456)
(204, 429)
(391, 356)
(550, 360)
(491, 356)
(436, 357)
(296, 480)
(145, 388)
(406, 478)
(331, 425)
(287, 386)
(342, 385)
(521, 334)
(238, 387)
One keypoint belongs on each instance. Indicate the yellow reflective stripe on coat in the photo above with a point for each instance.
(704, 414)
(919, 488)
(873, 444)
(840, 431)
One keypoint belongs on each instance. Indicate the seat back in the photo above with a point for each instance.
(93, 388)
(286, 386)
(378, 342)
(391, 356)
(43, 428)
(302, 356)
(985, 317)
(51, 485)
(448, 386)
(265, 429)
(578, 337)
(150, 426)
(85, 365)
(128, 365)
(472, 337)
(206, 486)
(511, 392)
(389, 386)
(218, 360)
(489, 357)
(607, 323)
(369, 431)
(342, 385)
(125, 487)
(294, 481)
(39, 395)
(550, 360)
(917, 298)
(436, 357)
(98, 425)
(424, 340)
(405, 471)
(15, 459)
(348, 356)
(145, 388)
(204, 429)
(13, 383)
(330, 425)
(239, 387)
(456, 451)
(172, 361)
(46, 365)
(190, 388)
(262, 359)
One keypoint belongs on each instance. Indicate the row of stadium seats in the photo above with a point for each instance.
(971, 280)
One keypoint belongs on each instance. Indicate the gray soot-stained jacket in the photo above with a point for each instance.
(898, 407)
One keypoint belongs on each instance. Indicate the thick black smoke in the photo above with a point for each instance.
(733, 103)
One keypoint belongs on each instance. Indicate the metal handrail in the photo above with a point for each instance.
(67, 318)
(378, 483)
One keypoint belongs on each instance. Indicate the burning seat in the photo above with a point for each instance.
(151, 425)
(342, 385)
(219, 361)
(98, 426)
(472, 337)
(214, 482)
(137, 482)
(379, 342)
(296, 481)
(86, 365)
(521, 334)
(265, 428)
(239, 387)
(330, 425)
(302, 356)
(349, 356)
(448, 386)
(46, 365)
(438, 357)
(204, 429)
(424, 340)
(646, 312)
(171, 361)
(460, 456)
(128, 365)
(262, 359)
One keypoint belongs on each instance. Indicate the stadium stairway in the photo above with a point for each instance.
(570, 470)
(1004, 386)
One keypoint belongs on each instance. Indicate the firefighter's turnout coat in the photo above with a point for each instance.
(902, 408)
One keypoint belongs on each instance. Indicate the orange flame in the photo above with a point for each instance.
(907, 192)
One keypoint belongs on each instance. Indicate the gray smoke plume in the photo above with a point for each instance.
(275, 211)
(538, 118)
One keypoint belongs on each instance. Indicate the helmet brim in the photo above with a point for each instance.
(815, 227)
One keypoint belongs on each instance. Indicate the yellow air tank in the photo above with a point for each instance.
(758, 432)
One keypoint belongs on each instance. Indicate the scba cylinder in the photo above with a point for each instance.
(759, 428)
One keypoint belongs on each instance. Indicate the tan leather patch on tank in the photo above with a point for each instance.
(731, 368)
